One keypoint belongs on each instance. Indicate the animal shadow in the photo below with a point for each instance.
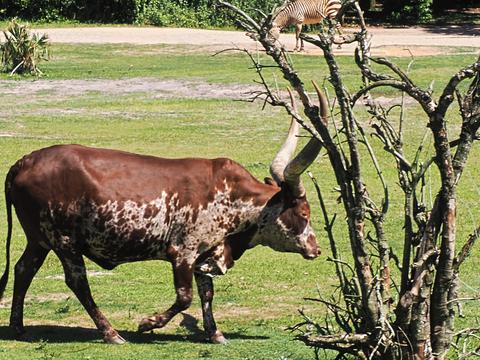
(67, 334)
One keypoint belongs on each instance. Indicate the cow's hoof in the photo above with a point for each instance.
(147, 324)
(218, 338)
(114, 339)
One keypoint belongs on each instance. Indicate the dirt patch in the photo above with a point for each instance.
(7, 134)
(56, 297)
(265, 313)
(398, 51)
(90, 273)
(417, 51)
(388, 102)
(162, 88)
(156, 88)
(49, 297)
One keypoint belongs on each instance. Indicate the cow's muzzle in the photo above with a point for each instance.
(311, 250)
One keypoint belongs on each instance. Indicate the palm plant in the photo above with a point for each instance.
(21, 52)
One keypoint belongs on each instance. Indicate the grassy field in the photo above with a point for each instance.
(259, 297)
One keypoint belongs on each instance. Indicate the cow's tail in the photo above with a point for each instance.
(8, 203)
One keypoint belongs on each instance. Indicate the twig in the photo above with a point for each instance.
(425, 257)
(244, 15)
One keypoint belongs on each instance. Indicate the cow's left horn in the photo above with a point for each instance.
(288, 148)
(307, 155)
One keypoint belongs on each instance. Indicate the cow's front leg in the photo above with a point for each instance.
(182, 275)
(205, 291)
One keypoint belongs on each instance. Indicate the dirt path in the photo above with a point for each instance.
(386, 41)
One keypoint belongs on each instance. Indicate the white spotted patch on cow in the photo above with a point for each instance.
(125, 231)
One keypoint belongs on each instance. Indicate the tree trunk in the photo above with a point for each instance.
(423, 325)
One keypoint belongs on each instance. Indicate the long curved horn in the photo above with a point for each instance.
(288, 148)
(307, 155)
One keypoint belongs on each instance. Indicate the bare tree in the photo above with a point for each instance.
(373, 317)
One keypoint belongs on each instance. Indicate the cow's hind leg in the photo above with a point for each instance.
(76, 280)
(205, 291)
(182, 276)
(25, 269)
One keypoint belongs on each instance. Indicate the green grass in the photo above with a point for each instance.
(258, 298)
(163, 61)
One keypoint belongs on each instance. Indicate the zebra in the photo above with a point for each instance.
(299, 12)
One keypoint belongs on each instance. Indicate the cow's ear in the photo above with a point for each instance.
(270, 181)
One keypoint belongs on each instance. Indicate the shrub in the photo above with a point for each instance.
(161, 13)
(191, 13)
(409, 11)
(188, 13)
(21, 52)
(118, 11)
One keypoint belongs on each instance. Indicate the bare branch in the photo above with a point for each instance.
(466, 249)
(425, 257)
(402, 75)
(347, 340)
(448, 93)
(252, 23)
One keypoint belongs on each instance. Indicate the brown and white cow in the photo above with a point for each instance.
(116, 207)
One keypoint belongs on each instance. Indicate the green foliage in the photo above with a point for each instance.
(191, 13)
(171, 13)
(21, 52)
(186, 13)
(408, 11)
(81, 10)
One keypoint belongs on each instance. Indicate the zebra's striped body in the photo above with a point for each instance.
(299, 12)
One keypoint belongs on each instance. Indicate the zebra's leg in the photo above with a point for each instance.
(298, 30)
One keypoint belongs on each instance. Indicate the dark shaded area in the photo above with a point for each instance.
(470, 30)
(440, 5)
(458, 16)
(414, 12)
(66, 334)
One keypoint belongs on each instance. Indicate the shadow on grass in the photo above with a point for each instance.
(469, 30)
(66, 334)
